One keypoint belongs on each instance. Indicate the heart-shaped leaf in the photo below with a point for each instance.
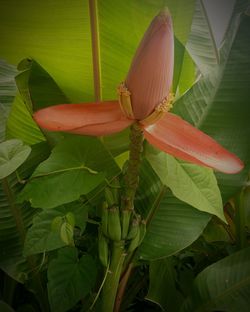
(72, 170)
(12, 154)
(69, 279)
(45, 233)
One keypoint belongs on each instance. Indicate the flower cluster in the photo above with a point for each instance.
(145, 98)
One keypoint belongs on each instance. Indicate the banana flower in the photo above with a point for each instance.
(145, 98)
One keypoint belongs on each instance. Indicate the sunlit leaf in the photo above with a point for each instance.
(184, 69)
(57, 35)
(31, 83)
(21, 125)
(63, 47)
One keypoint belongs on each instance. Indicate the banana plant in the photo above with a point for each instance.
(126, 211)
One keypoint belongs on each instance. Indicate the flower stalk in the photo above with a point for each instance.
(131, 178)
(118, 251)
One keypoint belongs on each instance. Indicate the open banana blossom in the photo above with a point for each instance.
(145, 98)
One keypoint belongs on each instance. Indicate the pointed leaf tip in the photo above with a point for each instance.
(177, 137)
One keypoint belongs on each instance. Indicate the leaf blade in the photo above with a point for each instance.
(69, 279)
(192, 184)
(224, 285)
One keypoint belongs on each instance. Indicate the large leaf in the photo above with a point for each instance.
(38, 90)
(41, 29)
(12, 154)
(192, 184)
(69, 279)
(75, 166)
(44, 235)
(219, 102)
(14, 218)
(201, 43)
(115, 58)
(223, 286)
(58, 35)
(21, 125)
(7, 93)
(150, 190)
(175, 225)
(33, 81)
(171, 224)
(162, 285)
(184, 69)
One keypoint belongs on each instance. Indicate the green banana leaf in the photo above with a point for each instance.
(172, 225)
(21, 125)
(218, 103)
(201, 43)
(12, 216)
(57, 34)
(162, 277)
(223, 286)
(70, 278)
(7, 94)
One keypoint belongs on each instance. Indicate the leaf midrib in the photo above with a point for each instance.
(204, 11)
(82, 167)
(193, 184)
(94, 28)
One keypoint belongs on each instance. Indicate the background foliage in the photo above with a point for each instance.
(48, 237)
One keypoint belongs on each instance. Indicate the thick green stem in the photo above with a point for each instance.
(113, 277)
(131, 181)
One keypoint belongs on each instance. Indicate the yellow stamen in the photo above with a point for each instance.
(125, 100)
(125, 103)
(160, 110)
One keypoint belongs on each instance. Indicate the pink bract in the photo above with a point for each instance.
(149, 81)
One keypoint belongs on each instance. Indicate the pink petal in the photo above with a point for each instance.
(88, 119)
(177, 137)
(150, 75)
